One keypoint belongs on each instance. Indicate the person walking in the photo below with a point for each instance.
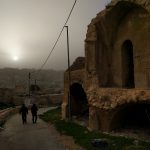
(24, 112)
(34, 110)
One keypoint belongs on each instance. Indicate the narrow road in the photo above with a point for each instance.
(17, 136)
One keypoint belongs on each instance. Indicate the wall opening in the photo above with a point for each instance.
(127, 65)
(133, 116)
(79, 103)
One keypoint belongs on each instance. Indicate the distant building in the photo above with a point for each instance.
(20, 90)
(6, 95)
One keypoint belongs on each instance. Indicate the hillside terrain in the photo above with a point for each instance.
(10, 78)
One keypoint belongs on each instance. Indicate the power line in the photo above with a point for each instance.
(50, 53)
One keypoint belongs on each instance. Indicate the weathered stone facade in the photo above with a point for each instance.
(117, 63)
(77, 71)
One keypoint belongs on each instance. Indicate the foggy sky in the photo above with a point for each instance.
(29, 28)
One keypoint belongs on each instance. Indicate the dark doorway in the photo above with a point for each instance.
(79, 103)
(127, 65)
(136, 115)
(132, 116)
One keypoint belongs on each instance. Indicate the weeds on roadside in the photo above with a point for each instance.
(83, 136)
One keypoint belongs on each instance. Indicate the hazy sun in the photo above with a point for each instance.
(15, 58)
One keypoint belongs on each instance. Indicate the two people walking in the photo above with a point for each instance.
(24, 112)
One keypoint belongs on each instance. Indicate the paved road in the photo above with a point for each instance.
(17, 136)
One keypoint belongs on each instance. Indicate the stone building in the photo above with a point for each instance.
(115, 77)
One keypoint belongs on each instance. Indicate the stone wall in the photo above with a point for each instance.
(116, 75)
(104, 43)
(4, 114)
(77, 75)
(106, 103)
(123, 27)
(111, 98)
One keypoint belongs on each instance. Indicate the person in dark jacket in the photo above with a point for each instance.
(24, 112)
(34, 110)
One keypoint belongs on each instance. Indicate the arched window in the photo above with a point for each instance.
(127, 65)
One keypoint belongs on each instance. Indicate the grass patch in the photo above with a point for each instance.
(83, 137)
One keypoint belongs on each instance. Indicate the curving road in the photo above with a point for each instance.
(17, 136)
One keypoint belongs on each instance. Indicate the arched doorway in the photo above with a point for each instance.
(79, 103)
(127, 65)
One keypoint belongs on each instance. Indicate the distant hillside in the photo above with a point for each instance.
(10, 77)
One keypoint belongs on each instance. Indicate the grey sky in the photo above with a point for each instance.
(29, 28)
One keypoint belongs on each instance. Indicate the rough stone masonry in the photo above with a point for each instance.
(113, 80)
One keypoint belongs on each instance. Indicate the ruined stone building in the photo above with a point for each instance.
(113, 80)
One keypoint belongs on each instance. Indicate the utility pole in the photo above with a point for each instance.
(29, 76)
(69, 76)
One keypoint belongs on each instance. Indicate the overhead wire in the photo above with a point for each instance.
(42, 66)
(50, 53)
